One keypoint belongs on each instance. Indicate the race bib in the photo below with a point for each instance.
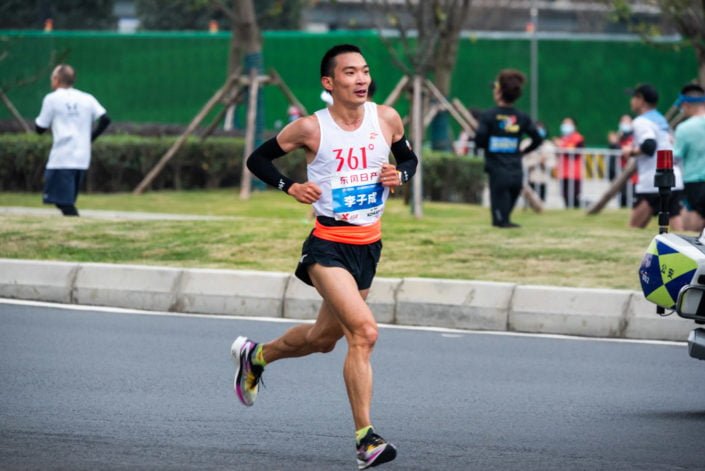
(358, 196)
(503, 145)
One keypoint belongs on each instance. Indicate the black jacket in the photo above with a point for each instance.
(499, 132)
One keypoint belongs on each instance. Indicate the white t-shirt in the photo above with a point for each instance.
(70, 114)
(652, 125)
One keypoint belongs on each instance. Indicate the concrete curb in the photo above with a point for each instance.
(476, 305)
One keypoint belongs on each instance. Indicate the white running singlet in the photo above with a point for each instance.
(347, 168)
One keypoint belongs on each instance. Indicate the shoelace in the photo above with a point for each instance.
(371, 439)
(256, 371)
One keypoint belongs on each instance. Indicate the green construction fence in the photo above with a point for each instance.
(167, 77)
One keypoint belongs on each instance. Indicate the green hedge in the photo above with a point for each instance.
(120, 162)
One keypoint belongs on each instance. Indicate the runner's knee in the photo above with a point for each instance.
(365, 336)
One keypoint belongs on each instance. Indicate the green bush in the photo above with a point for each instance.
(447, 177)
(120, 162)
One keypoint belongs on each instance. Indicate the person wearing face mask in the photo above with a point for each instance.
(624, 136)
(539, 164)
(570, 164)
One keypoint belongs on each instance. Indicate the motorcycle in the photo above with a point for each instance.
(672, 272)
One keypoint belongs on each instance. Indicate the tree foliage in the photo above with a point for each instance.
(688, 17)
(196, 14)
(66, 14)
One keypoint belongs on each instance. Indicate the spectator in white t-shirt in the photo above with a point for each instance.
(70, 114)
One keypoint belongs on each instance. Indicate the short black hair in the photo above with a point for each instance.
(693, 89)
(647, 92)
(328, 61)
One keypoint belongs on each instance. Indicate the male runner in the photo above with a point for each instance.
(70, 114)
(651, 133)
(690, 147)
(349, 176)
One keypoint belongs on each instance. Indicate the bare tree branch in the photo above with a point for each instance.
(394, 55)
(225, 9)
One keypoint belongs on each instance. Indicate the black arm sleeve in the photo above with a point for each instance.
(482, 134)
(648, 147)
(103, 123)
(406, 159)
(536, 139)
(39, 129)
(260, 164)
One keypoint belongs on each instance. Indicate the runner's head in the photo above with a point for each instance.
(692, 99)
(345, 73)
(507, 86)
(63, 76)
(644, 98)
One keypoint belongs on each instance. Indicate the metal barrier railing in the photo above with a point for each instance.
(584, 174)
(572, 177)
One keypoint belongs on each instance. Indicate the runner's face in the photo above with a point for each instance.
(351, 78)
(636, 102)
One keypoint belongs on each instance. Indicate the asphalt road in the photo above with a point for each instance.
(93, 390)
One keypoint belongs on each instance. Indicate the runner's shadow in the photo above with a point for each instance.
(694, 415)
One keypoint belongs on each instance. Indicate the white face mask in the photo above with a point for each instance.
(567, 128)
(625, 128)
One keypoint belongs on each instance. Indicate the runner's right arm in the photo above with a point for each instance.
(261, 163)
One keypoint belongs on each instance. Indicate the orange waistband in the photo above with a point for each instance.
(356, 235)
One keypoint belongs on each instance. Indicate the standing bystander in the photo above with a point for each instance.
(540, 163)
(690, 148)
(624, 136)
(499, 132)
(570, 164)
(347, 149)
(70, 114)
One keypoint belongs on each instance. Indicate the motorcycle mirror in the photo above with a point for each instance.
(691, 301)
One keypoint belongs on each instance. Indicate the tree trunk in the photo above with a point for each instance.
(444, 60)
(700, 55)
(245, 26)
(248, 36)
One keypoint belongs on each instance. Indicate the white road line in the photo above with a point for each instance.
(444, 331)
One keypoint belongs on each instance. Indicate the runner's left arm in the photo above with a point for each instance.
(407, 160)
(402, 151)
(103, 123)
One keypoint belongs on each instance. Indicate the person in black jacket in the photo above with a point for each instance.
(499, 132)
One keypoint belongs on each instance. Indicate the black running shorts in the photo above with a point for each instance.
(695, 197)
(674, 202)
(360, 260)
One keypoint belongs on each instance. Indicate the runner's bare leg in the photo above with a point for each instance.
(339, 290)
(305, 339)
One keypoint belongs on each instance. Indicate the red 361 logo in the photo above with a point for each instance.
(356, 158)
